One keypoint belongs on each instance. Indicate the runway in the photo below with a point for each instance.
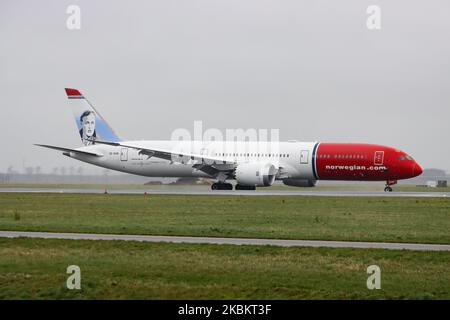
(233, 241)
(260, 192)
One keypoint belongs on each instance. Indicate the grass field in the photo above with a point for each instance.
(424, 220)
(36, 269)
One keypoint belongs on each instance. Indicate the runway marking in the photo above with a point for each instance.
(234, 241)
(235, 193)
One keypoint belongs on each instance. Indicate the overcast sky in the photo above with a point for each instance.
(309, 68)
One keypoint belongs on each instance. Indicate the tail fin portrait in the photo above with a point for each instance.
(91, 125)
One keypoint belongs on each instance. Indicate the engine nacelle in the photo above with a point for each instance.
(256, 174)
(299, 182)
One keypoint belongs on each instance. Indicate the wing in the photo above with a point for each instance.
(210, 165)
(67, 150)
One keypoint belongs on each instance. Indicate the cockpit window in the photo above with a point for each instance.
(401, 158)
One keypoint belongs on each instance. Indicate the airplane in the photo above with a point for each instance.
(250, 163)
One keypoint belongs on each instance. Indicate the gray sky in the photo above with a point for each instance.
(310, 68)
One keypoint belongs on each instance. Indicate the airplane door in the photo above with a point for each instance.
(304, 155)
(124, 154)
(378, 158)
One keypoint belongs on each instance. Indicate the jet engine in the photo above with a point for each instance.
(256, 174)
(299, 182)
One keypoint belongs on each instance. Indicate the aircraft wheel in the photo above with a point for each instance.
(241, 187)
(221, 186)
(388, 189)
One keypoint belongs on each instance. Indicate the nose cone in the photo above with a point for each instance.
(417, 170)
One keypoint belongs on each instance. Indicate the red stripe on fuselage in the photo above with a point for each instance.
(359, 161)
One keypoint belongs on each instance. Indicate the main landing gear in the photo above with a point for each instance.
(229, 186)
(241, 187)
(221, 186)
(389, 183)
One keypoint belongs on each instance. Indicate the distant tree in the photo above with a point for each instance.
(10, 170)
(5, 178)
(80, 173)
(105, 175)
(432, 172)
(55, 170)
(37, 171)
(29, 170)
(62, 170)
(71, 170)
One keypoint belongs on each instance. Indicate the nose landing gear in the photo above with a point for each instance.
(389, 183)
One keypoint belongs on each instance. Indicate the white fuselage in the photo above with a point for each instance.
(294, 158)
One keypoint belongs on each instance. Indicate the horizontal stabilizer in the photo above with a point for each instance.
(70, 150)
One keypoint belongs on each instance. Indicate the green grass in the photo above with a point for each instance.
(36, 269)
(424, 220)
